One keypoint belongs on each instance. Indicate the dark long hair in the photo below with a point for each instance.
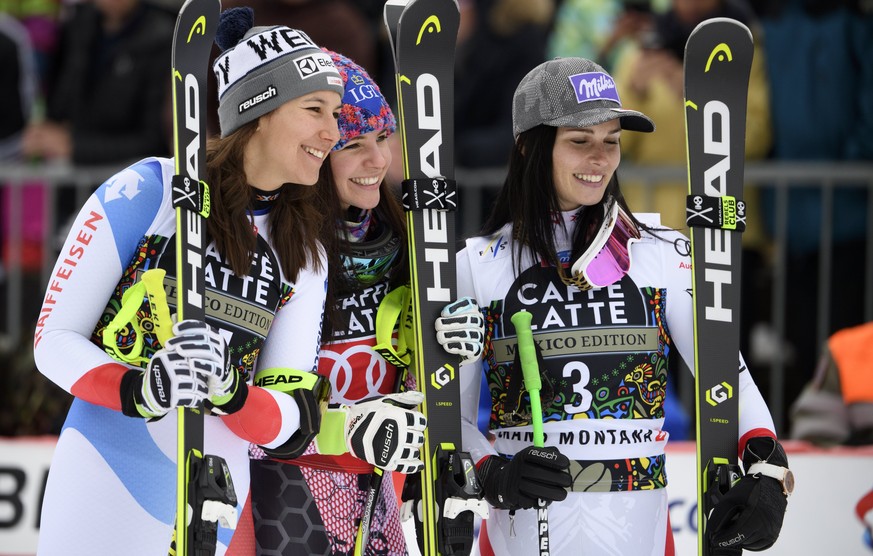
(529, 201)
(294, 220)
(388, 213)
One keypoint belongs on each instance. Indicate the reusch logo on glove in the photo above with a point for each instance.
(158, 372)
(388, 442)
(545, 455)
(730, 542)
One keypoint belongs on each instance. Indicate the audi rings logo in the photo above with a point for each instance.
(442, 376)
(719, 393)
(682, 246)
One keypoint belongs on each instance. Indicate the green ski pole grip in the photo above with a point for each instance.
(531, 371)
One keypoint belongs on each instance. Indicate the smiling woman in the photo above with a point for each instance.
(290, 143)
(112, 478)
(608, 294)
(365, 236)
(584, 161)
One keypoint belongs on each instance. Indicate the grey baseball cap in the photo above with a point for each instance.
(268, 67)
(571, 92)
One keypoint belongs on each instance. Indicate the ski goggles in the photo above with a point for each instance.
(368, 261)
(130, 324)
(607, 259)
(395, 312)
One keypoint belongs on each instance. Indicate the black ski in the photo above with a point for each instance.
(199, 478)
(423, 34)
(718, 60)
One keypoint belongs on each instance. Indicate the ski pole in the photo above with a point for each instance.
(363, 536)
(532, 383)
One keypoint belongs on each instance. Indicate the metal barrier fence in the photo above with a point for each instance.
(780, 179)
(476, 187)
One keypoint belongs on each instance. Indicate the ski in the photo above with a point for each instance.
(422, 36)
(718, 60)
(203, 485)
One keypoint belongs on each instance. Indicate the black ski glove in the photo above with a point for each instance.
(533, 473)
(750, 515)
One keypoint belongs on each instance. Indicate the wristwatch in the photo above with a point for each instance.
(781, 474)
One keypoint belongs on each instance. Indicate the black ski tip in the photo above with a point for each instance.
(233, 25)
(721, 21)
(716, 32)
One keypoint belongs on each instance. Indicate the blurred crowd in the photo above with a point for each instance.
(87, 82)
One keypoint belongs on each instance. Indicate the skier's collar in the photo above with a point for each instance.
(264, 200)
(357, 224)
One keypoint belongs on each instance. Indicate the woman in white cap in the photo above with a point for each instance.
(314, 504)
(112, 488)
(609, 296)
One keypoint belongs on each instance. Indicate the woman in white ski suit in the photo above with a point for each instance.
(328, 486)
(112, 485)
(604, 326)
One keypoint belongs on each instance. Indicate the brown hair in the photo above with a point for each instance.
(294, 221)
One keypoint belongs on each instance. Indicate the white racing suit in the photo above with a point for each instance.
(604, 369)
(112, 484)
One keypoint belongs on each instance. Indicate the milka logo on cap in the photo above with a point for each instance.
(594, 85)
(265, 47)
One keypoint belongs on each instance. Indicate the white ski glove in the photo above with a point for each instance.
(461, 329)
(386, 432)
(196, 340)
(173, 380)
